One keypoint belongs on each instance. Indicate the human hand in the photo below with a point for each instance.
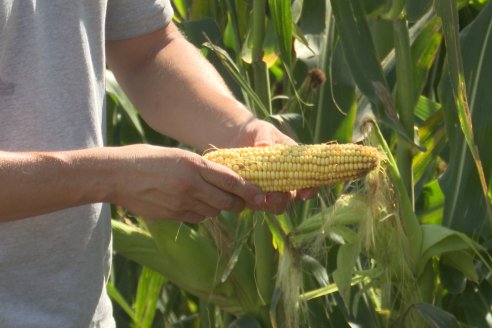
(170, 183)
(261, 133)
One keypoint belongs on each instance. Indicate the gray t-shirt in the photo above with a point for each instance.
(54, 268)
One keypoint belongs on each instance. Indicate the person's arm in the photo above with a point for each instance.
(156, 182)
(180, 94)
(35, 183)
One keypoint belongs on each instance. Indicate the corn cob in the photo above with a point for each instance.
(285, 168)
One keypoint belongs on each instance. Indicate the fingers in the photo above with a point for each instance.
(204, 200)
(202, 196)
(190, 210)
(220, 200)
(179, 185)
(233, 193)
(206, 210)
(265, 141)
(189, 216)
(278, 202)
(192, 188)
(231, 183)
(159, 211)
(305, 194)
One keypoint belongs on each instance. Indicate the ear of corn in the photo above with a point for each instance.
(286, 168)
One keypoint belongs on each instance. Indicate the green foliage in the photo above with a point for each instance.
(467, 203)
(408, 247)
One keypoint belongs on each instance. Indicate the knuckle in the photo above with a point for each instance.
(230, 182)
(213, 212)
(205, 210)
(174, 215)
(279, 210)
(178, 204)
(183, 187)
(227, 203)
(196, 161)
(239, 207)
(193, 217)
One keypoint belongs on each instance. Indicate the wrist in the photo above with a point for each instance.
(229, 127)
(94, 174)
(42, 182)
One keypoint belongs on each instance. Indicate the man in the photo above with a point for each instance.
(55, 234)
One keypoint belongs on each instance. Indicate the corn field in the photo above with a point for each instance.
(406, 246)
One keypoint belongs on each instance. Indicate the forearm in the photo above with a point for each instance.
(178, 92)
(154, 182)
(35, 183)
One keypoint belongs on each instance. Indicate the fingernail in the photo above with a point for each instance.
(263, 142)
(259, 200)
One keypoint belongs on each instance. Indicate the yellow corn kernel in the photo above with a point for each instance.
(286, 168)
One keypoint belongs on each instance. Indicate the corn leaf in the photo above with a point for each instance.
(114, 90)
(240, 239)
(186, 261)
(467, 206)
(356, 40)
(330, 289)
(116, 296)
(194, 257)
(199, 31)
(246, 321)
(137, 245)
(336, 102)
(148, 293)
(434, 316)
(314, 16)
(393, 9)
(292, 124)
(264, 259)
(430, 204)
(432, 136)
(346, 258)
(424, 51)
(453, 280)
(316, 275)
(417, 8)
(180, 7)
(425, 108)
(281, 12)
(203, 8)
(236, 74)
(438, 240)
(405, 100)
(462, 262)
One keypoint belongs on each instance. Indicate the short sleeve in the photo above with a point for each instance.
(131, 18)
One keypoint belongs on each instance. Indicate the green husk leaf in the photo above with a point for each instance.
(188, 260)
(346, 258)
